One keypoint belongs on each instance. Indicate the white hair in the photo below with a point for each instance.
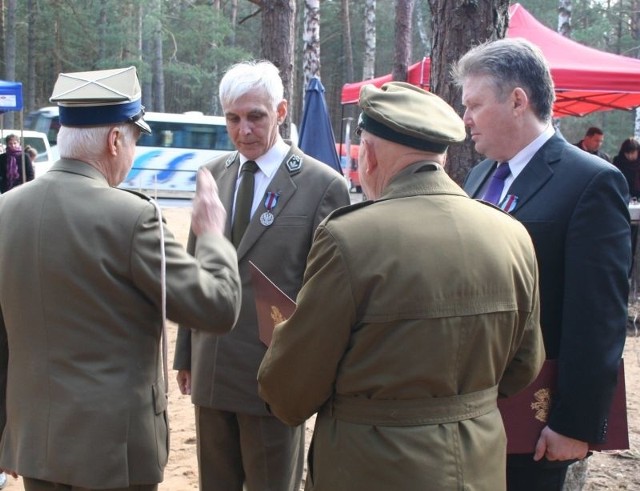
(250, 76)
(88, 143)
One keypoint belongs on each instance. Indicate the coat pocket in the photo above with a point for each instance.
(161, 423)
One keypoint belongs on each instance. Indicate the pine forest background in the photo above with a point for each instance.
(182, 47)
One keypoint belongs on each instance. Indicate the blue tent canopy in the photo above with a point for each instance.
(10, 96)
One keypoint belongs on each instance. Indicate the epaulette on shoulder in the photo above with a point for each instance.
(137, 193)
(348, 209)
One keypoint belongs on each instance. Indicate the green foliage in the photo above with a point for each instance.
(199, 43)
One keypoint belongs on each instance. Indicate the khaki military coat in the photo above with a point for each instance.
(81, 323)
(416, 311)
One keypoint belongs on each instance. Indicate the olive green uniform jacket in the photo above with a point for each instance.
(80, 305)
(415, 312)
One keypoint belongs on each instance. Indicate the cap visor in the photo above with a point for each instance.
(142, 124)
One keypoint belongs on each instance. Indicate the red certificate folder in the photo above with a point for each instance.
(272, 304)
(525, 414)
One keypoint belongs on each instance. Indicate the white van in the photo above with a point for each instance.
(46, 155)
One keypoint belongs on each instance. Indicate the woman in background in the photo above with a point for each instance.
(11, 172)
(627, 161)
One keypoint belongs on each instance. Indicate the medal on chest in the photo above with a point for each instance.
(270, 202)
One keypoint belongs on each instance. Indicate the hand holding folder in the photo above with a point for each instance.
(272, 304)
(526, 413)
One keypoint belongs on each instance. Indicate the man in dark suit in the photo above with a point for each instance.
(574, 206)
(239, 442)
(88, 272)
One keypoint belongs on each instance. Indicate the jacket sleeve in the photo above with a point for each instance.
(202, 292)
(594, 316)
(528, 348)
(293, 379)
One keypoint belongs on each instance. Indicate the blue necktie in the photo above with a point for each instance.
(497, 183)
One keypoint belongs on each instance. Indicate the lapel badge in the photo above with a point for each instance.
(270, 202)
(231, 159)
(294, 164)
(509, 203)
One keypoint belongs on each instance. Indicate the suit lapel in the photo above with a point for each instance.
(284, 188)
(478, 178)
(537, 172)
(226, 182)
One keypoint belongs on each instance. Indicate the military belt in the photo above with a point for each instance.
(413, 412)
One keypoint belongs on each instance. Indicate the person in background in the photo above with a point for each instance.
(31, 152)
(88, 272)
(239, 442)
(397, 340)
(592, 143)
(574, 206)
(12, 173)
(628, 163)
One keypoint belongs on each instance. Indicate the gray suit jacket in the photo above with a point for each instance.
(575, 207)
(224, 367)
(80, 298)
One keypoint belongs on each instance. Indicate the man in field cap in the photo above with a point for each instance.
(411, 318)
(88, 272)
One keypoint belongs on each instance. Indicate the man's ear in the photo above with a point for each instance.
(372, 159)
(520, 100)
(114, 141)
(281, 110)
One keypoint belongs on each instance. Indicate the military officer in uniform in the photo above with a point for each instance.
(289, 194)
(429, 318)
(87, 272)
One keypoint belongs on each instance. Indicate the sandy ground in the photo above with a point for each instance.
(613, 470)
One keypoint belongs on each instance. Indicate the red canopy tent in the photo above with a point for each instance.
(586, 79)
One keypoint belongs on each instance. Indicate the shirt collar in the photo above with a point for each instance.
(522, 158)
(269, 162)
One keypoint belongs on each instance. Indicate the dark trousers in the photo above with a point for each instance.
(39, 485)
(259, 452)
(523, 474)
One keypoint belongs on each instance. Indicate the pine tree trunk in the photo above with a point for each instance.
(278, 18)
(10, 53)
(30, 97)
(157, 65)
(456, 27)
(402, 51)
